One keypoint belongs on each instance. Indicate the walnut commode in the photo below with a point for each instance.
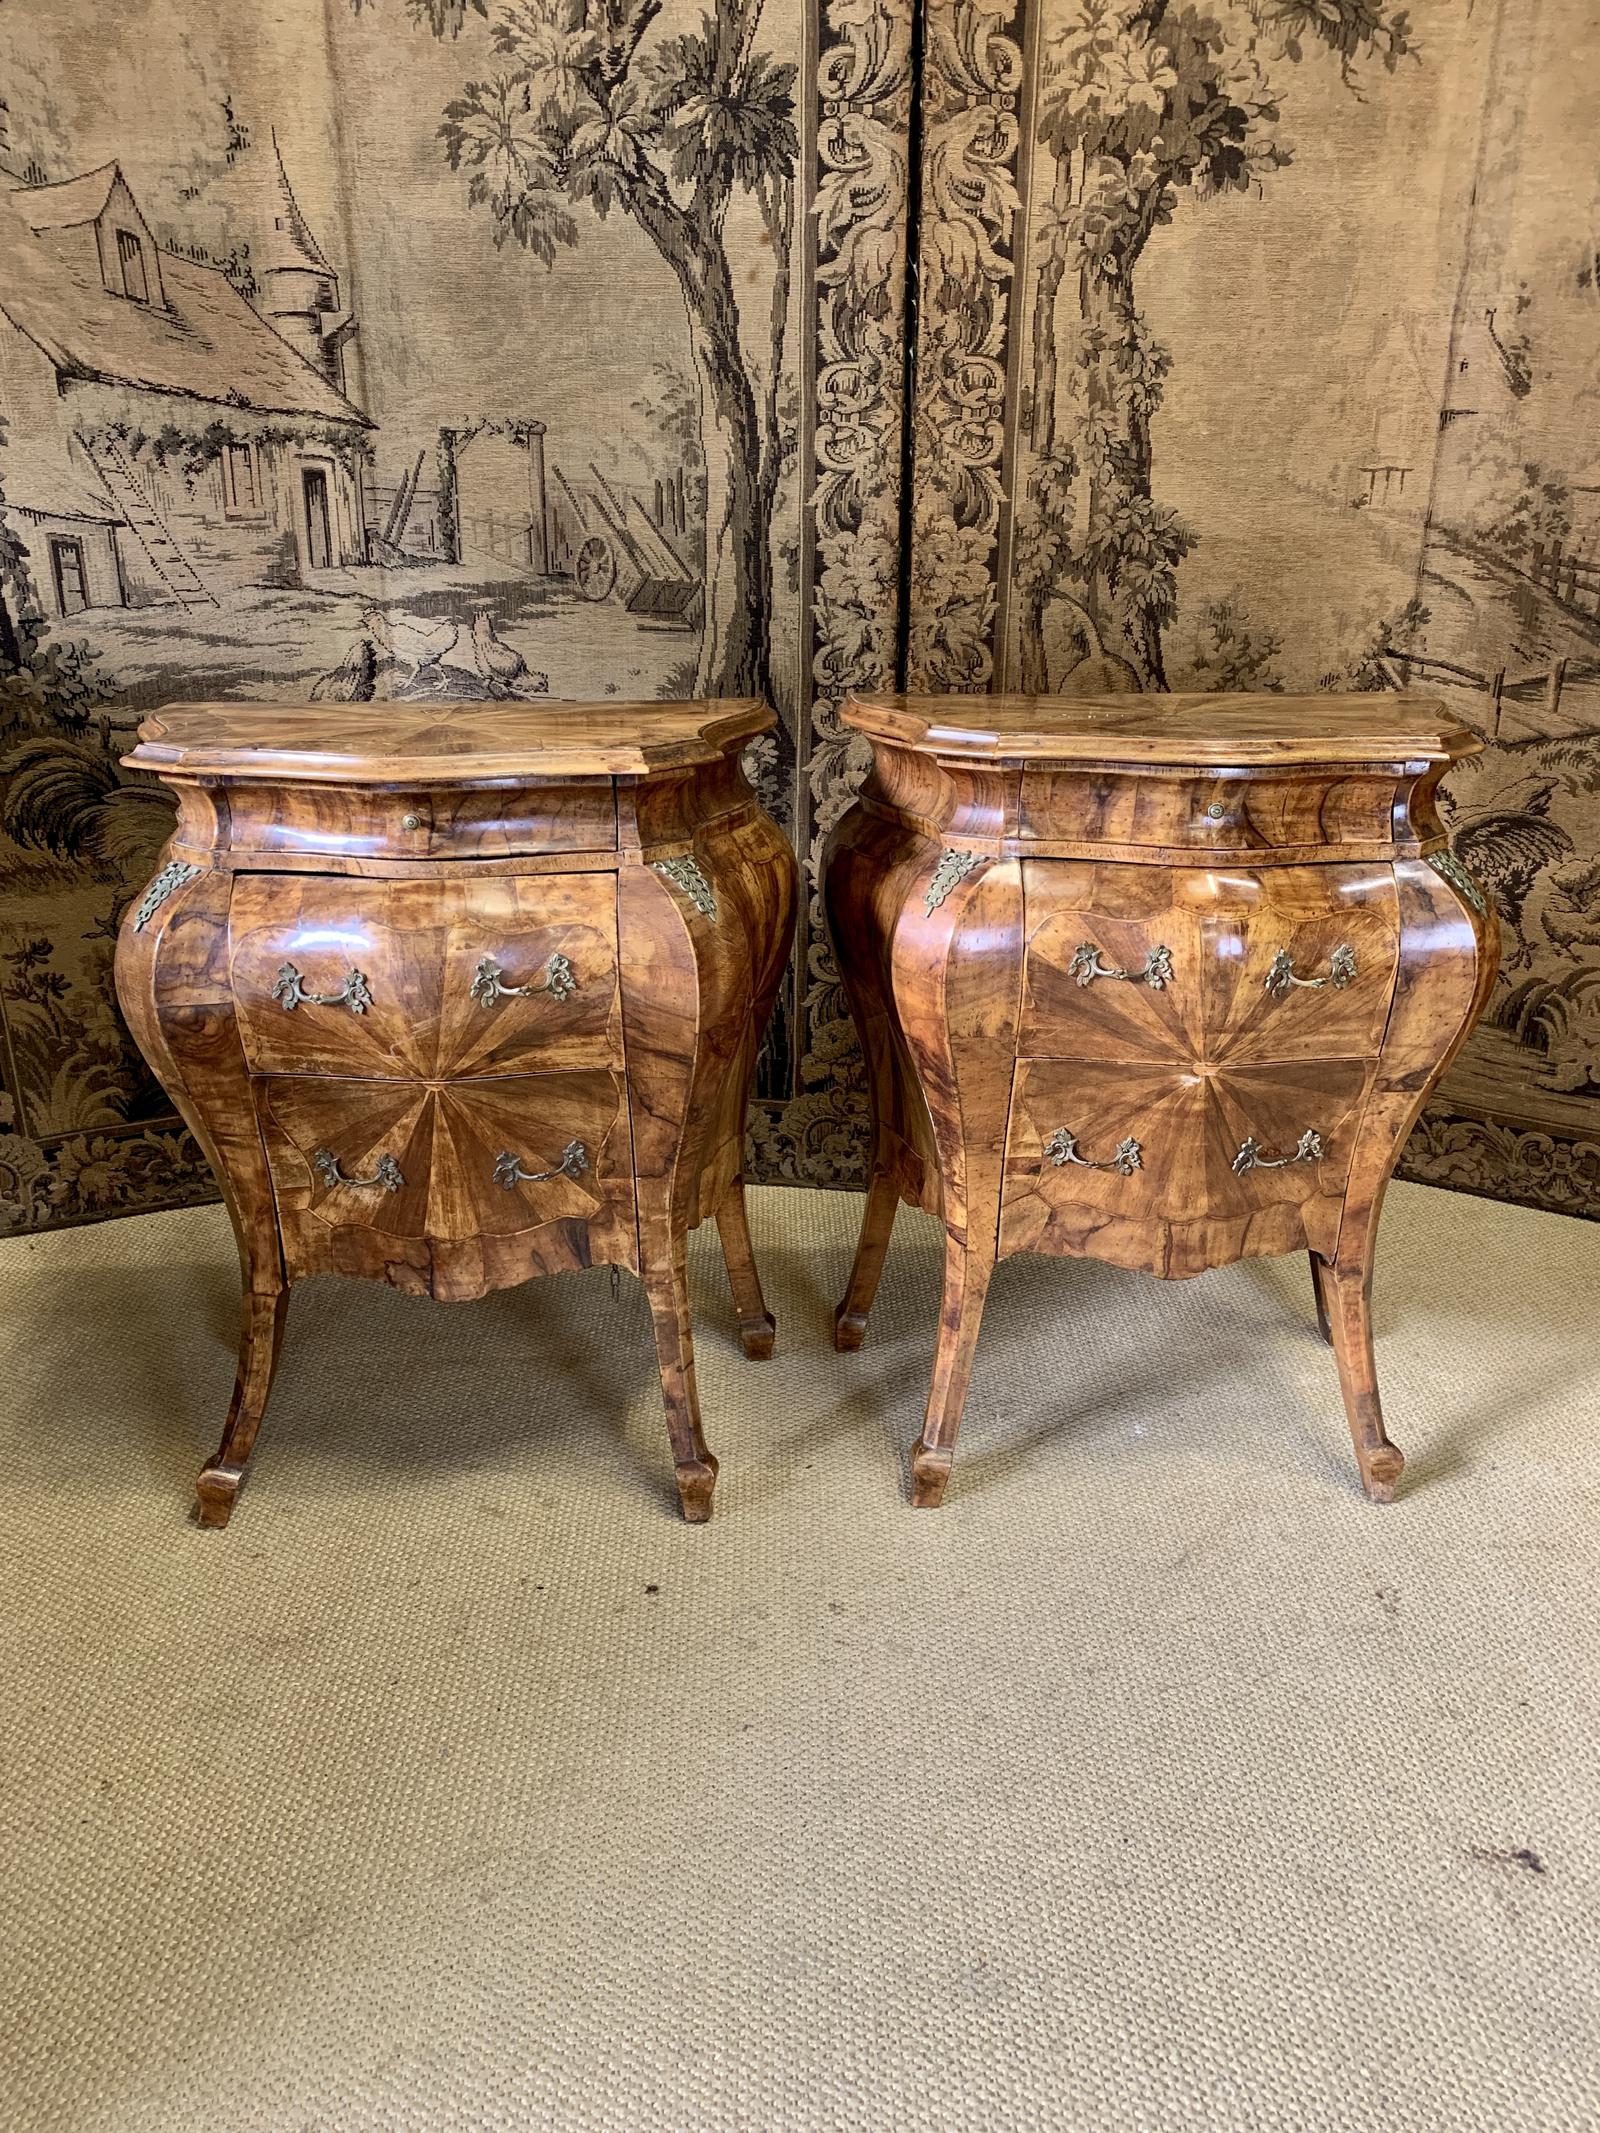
(456, 995)
(1163, 981)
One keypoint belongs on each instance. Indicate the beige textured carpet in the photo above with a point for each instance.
(1157, 1781)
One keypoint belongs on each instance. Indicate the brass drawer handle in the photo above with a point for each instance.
(508, 1170)
(1280, 979)
(1086, 966)
(1308, 1149)
(290, 988)
(490, 983)
(388, 1173)
(1062, 1147)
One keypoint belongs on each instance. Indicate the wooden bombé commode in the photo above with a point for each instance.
(1163, 981)
(453, 995)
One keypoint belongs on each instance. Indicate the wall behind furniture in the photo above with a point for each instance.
(1259, 347)
(424, 349)
(451, 348)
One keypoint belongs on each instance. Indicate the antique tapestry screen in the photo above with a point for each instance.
(362, 349)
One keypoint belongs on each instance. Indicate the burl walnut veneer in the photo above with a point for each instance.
(1163, 981)
(453, 995)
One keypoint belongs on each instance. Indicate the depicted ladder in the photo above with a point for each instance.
(150, 529)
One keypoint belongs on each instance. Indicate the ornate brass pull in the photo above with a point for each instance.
(1062, 1147)
(388, 1173)
(1308, 1149)
(290, 988)
(1280, 979)
(489, 985)
(508, 1170)
(1086, 966)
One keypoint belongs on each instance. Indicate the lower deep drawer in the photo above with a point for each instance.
(368, 1174)
(1098, 1149)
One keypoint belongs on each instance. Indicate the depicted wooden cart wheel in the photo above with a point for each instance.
(595, 568)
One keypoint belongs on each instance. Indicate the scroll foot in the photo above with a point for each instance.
(930, 1470)
(260, 1338)
(216, 1491)
(849, 1329)
(966, 1284)
(757, 1326)
(694, 1469)
(756, 1336)
(877, 1220)
(1347, 1292)
(696, 1478)
(1381, 1467)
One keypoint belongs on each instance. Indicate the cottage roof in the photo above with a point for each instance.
(205, 343)
(290, 242)
(44, 480)
(74, 200)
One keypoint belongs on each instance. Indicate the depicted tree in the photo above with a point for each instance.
(596, 107)
(1142, 101)
(669, 407)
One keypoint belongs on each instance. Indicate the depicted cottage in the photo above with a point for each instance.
(166, 441)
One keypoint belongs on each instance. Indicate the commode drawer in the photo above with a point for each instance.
(1174, 1169)
(451, 1160)
(429, 979)
(1133, 962)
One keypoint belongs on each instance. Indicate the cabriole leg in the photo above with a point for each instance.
(877, 1221)
(757, 1326)
(1348, 1294)
(1319, 1272)
(966, 1284)
(694, 1467)
(260, 1338)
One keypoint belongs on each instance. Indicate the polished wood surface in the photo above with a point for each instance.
(1162, 982)
(1167, 731)
(451, 744)
(453, 996)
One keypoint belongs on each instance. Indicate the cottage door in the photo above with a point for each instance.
(72, 584)
(319, 536)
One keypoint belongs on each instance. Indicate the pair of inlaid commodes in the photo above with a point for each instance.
(457, 995)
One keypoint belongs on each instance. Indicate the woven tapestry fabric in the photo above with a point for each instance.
(1158, 1780)
(371, 349)
(465, 349)
(1257, 351)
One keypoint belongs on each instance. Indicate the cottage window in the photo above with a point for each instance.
(130, 258)
(241, 481)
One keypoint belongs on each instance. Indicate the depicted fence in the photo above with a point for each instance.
(1569, 577)
(1538, 696)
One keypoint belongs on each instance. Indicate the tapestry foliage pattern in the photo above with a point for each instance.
(1259, 348)
(511, 349)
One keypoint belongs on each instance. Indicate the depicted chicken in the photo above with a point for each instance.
(1571, 915)
(407, 645)
(1508, 846)
(500, 664)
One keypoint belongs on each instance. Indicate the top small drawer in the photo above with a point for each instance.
(1157, 963)
(425, 979)
(329, 823)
